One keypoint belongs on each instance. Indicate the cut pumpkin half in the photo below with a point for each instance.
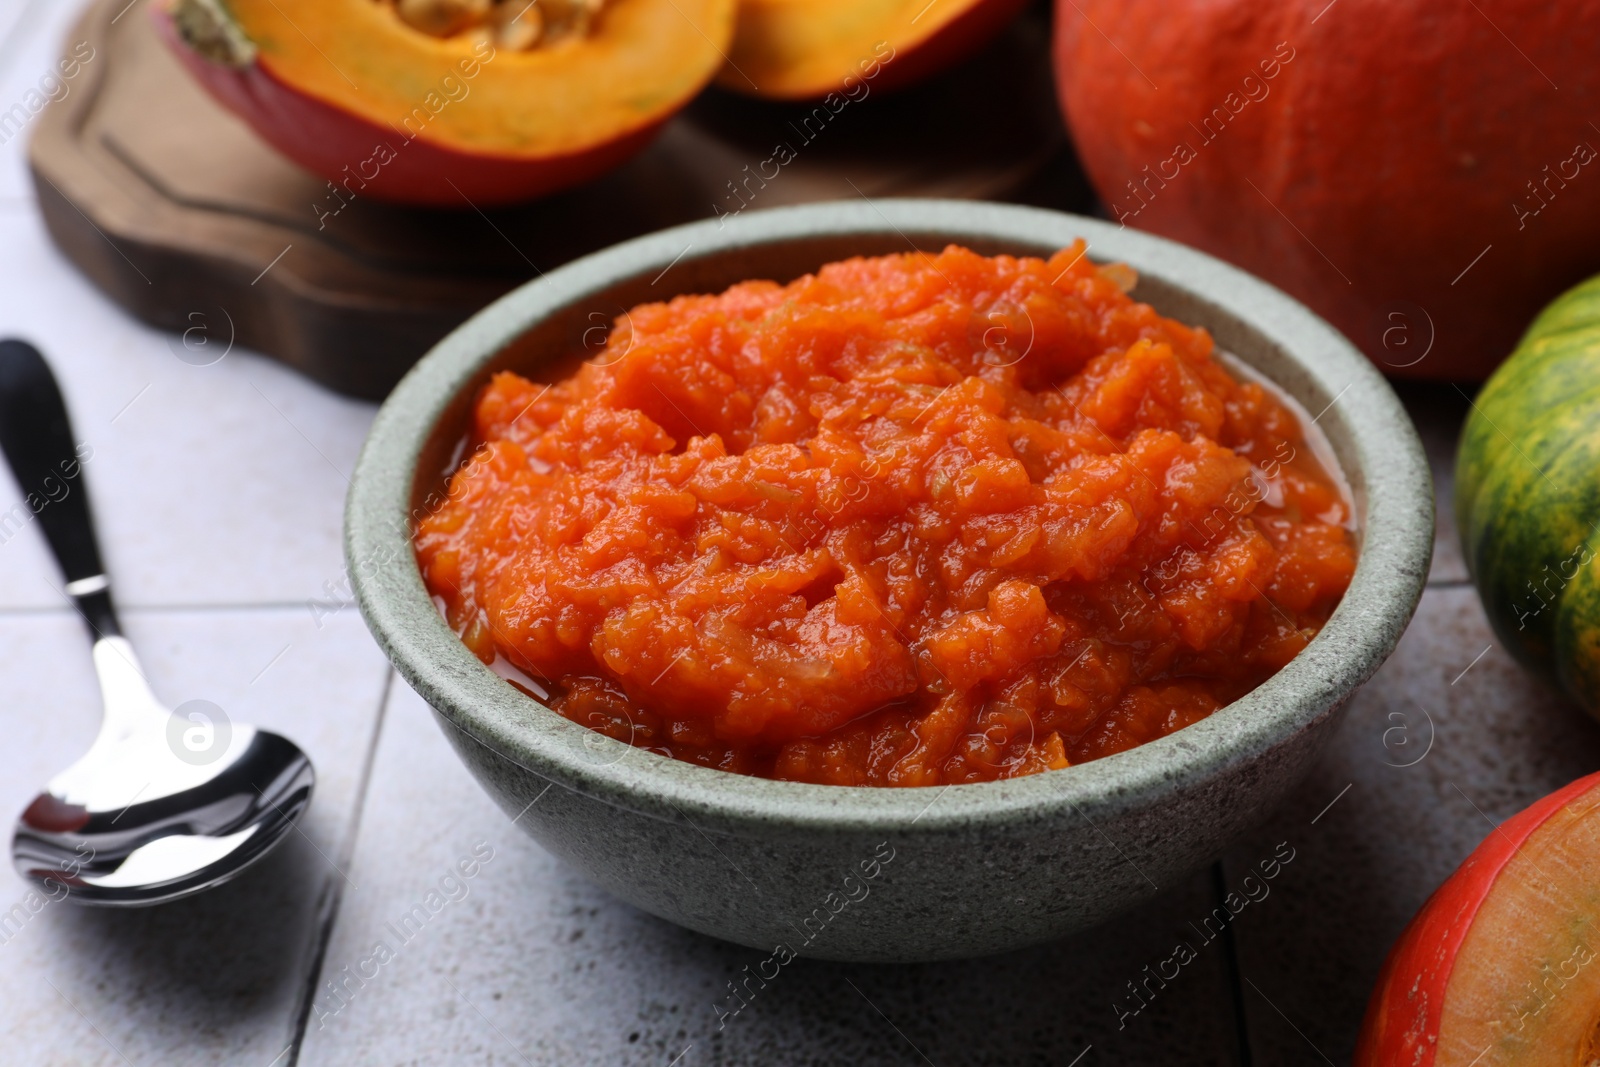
(452, 102)
(1501, 967)
(806, 49)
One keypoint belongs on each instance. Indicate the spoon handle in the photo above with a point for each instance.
(36, 437)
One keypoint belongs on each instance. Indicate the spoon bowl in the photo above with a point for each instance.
(165, 803)
(143, 817)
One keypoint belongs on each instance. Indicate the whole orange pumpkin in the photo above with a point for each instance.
(1425, 174)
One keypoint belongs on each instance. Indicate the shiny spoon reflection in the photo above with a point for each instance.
(164, 803)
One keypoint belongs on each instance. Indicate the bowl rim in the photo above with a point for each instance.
(1391, 471)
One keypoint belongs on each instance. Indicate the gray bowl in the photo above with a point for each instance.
(887, 874)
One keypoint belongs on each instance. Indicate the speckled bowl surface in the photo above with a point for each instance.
(868, 873)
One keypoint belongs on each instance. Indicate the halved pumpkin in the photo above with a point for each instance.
(1502, 964)
(353, 92)
(806, 49)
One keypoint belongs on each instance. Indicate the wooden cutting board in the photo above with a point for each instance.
(179, 213)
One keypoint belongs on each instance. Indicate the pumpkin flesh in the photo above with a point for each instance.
(330, 79)
(806, 49)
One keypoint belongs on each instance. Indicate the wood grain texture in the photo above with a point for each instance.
(180, 214)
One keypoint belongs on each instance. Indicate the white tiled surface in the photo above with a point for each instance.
(215, 979)
(218, 491)
(30, 31)
(530, 964)
(213, 485)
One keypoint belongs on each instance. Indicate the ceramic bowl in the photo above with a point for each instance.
(870, 873)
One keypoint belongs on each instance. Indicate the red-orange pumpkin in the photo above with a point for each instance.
(1499, 969)
(1425, 175)
(350, 92)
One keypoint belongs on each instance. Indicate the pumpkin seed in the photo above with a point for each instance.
(514, 25)
(442, 18)
(518, 25)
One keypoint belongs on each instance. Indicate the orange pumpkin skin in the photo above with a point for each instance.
(339, 146)
(1411, 171)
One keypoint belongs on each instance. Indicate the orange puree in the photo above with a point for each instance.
(906, 521)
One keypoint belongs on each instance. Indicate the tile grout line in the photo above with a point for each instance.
(333, 890)
(1230, 958)
(128, 609)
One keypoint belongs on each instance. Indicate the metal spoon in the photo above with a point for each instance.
(147, 815)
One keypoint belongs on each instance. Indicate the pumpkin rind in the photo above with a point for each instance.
(1528, 496)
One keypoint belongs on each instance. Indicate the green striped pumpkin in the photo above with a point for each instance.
(1528, 496)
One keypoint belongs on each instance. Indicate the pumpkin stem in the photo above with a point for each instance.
(206, 27)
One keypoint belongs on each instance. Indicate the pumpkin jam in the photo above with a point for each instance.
(907, 521)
